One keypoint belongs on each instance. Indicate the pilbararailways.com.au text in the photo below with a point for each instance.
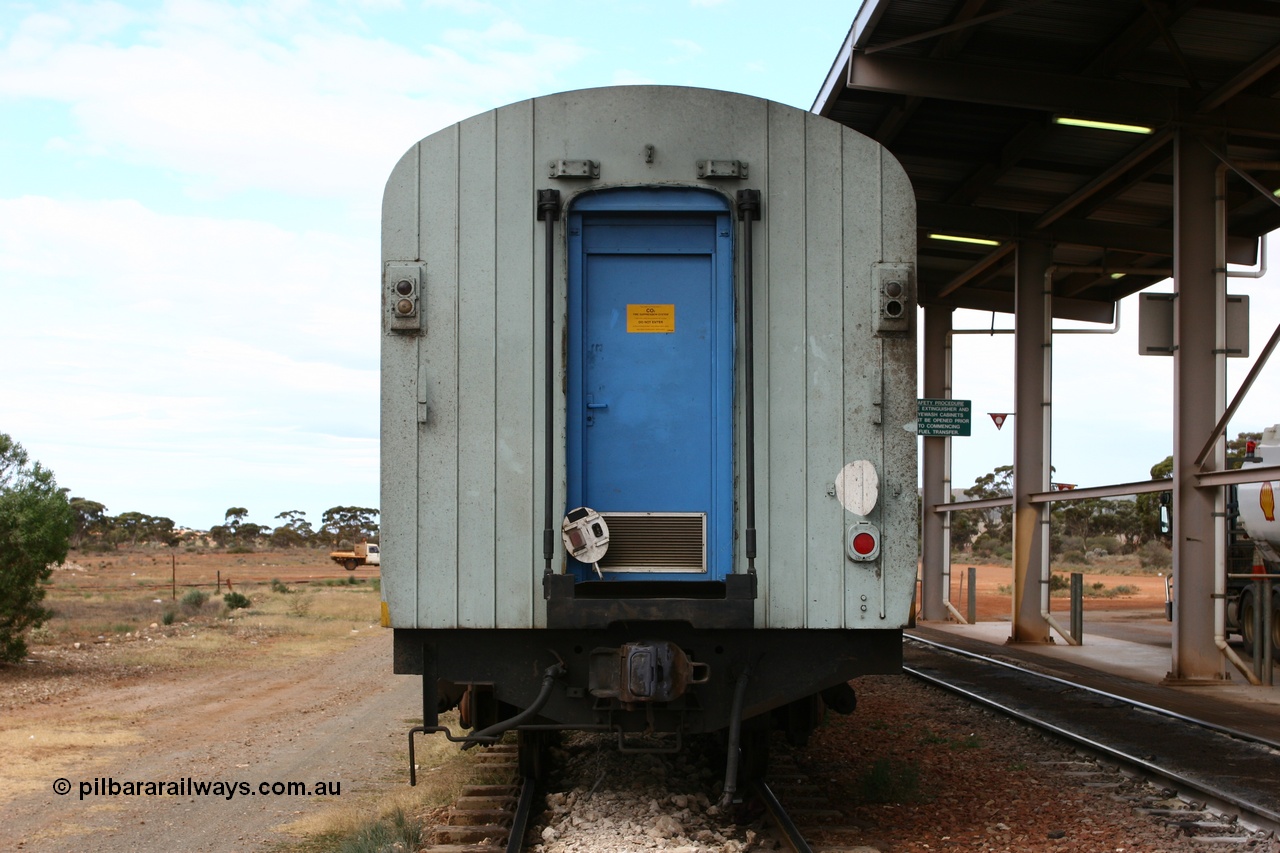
(187, 787)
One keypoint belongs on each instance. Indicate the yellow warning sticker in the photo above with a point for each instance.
(651, 318)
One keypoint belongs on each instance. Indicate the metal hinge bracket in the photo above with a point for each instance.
(580, 169)
(722, 169)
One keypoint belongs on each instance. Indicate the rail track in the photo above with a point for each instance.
(786, 830)
(1229, 779)
(1211, 785)
(499, 817)
(488, 817)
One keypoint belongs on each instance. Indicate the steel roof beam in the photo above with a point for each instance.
(1084, 310)
(963, 22)
(1057, 93)
(1023, 141)
(1051, 93)
(1155, 145)
(946, 48)
(1005, 225)
(1256, 70)
(993, 258)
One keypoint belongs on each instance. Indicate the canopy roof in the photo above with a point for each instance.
(967, 94)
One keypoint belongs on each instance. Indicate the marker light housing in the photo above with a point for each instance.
(863, 542)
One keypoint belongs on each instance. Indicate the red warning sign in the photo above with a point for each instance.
(999, 417)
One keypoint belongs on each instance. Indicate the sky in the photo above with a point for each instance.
(190, 194)
(1112, 409)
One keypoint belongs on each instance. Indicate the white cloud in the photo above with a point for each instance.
(248, 278)
(464, 7)
(231, 353)
(626, 77)
(685, 49)
(1112, 408)
(220, 356)
(266, 96)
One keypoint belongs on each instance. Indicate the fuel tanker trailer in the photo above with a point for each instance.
(648, 405)
(1256, 505)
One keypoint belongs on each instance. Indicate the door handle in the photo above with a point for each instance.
(592, 405)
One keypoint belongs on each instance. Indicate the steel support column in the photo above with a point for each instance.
(936, 470)
(1197, 405)
(1033, 340)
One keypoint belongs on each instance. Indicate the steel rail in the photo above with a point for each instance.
(1196, 785)
(1135, 703)
(791, 833)
(523, 813)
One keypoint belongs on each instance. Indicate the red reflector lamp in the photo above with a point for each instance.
(863, 542)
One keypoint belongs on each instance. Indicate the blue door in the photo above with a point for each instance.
(650, 380)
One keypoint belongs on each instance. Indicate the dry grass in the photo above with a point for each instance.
(443, 771)
(109, 628)
(38, 753)
(122, 616)
(112, 625)
(1102, 564)
(115, 635)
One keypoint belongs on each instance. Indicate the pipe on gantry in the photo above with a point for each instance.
(1220, 562)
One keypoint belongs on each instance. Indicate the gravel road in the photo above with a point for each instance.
(337, 719)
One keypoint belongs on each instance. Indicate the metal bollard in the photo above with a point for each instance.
(1268, 651)
(973, 594)
(1259, 632)
(1077, 607)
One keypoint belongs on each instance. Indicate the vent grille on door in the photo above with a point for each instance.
(656, 542)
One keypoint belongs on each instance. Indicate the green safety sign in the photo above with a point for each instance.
(944, 417)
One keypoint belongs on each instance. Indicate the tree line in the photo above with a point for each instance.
(93, 528)
(35, 525)
(1077, 528)
(39, 523)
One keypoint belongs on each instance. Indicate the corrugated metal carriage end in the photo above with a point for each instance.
(648, 386)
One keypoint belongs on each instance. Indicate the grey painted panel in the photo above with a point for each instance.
(551, 137)
(438, 442)
(478, 555)
(760, 177)
(477, 365)
(399, 433)
(683, 125)
(784, 301)
(399, 483)
(824, 376)
(901, 464)
(519, 378)
(400, 209)
(864, 436)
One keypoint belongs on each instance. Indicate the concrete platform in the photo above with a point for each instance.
(1128, 655)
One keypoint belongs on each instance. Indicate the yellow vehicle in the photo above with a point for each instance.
(363, 554)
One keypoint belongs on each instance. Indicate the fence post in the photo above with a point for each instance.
(1268, 629)
(973, 594)
(1077, 607)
